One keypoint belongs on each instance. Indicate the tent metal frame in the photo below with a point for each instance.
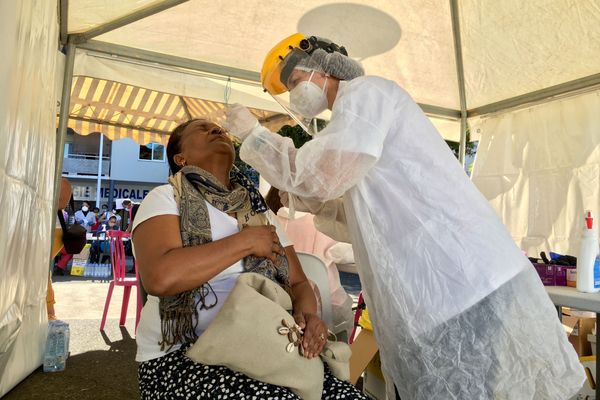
(460, 73)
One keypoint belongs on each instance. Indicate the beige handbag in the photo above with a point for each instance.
(254, 334)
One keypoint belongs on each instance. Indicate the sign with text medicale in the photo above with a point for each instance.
(120, 191)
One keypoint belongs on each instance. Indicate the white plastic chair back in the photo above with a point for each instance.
(316, 270)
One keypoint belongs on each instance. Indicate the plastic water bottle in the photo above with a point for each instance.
(57, 346)
(586, 259)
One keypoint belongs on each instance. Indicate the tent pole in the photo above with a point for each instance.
(64, 21)
(439, 111)
(538, 95)
(126, 20)
(99, 178)
(460, 72)
(132, 53)
(146, 56)
(65, 100)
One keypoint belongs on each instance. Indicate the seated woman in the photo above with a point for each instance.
(190, 251)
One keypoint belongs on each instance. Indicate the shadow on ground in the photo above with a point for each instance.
(108, 371)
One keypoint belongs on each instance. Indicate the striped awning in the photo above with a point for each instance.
(119, 110)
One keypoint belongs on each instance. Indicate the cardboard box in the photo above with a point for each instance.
(572, 277)
(364, 348)
(588, 391)
(578, 328)
(592, 339)
(373, 381)
(553, 275)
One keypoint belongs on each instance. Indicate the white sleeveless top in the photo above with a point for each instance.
(161, 201)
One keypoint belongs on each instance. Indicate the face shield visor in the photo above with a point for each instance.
(296, 73)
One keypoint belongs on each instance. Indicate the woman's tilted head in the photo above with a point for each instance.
(201, 143)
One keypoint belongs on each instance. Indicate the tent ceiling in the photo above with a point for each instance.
(413, 45)
(120, 110)
(510, 48)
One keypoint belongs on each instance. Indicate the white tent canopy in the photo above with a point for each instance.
(510, 48)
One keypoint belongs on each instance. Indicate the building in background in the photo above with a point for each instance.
(127, 170)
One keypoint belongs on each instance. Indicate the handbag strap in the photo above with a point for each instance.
(61, 218)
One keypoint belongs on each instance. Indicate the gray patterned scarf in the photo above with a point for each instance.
(193, 187)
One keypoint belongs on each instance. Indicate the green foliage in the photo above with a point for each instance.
(471, 146)
(296, 133)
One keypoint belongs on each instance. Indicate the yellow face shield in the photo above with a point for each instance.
(270, 74)
(277, 69)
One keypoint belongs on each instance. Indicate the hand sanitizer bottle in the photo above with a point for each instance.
(586, 259)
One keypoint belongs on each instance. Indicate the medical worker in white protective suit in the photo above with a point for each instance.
(458, 311)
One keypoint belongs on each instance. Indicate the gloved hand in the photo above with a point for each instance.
(240, 121)
(284, 198)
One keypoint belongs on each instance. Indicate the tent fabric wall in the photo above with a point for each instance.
(540, 169)
(28, 72)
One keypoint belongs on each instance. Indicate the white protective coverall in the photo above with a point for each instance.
(458, 310)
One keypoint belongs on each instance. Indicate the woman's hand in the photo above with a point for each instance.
(263, 241)
(315, 333)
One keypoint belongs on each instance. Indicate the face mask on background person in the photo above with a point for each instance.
(85, 208)
(308, 99)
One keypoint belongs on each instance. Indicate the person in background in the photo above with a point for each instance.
(104, 214)
(110, 225)
(131, 209)
(116, 214)
(96, 224)
(85, 217)
(101, 247)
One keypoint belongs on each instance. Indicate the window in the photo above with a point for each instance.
(152, 151)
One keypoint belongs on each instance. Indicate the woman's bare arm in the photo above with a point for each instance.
(167, 268)
(304, 299)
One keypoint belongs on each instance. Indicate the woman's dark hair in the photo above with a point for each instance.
(174, 144)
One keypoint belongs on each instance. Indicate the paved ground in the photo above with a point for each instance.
(101, 365)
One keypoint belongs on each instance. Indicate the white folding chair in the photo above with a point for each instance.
(316, 270)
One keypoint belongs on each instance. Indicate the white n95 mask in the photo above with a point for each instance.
(308, 99)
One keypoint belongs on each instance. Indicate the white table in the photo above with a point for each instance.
(564, 296)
